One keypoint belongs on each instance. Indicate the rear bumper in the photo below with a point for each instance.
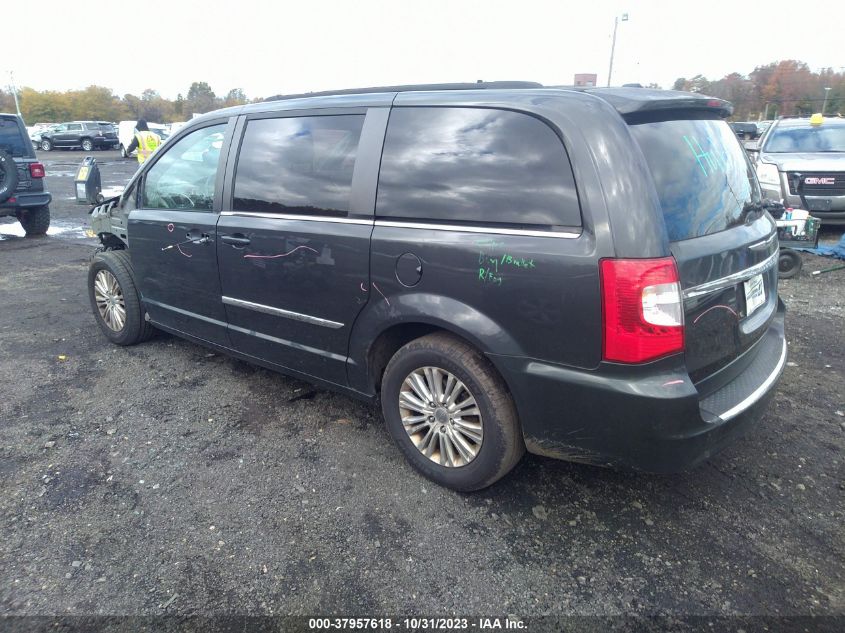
(25, 201)
(649, 418)
(105, 142)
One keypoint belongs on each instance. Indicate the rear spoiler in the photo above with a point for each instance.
(628, 101)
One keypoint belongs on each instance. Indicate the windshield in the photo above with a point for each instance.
(827, 137)
(11, 139)
(703, 177)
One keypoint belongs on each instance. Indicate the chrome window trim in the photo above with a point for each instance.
(290, 216)
(477, 229)
(296, 316)
(730, 280)
(758, 392)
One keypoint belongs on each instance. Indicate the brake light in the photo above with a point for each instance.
(36, 170)
(642, 309)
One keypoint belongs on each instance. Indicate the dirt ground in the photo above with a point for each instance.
(165, 478)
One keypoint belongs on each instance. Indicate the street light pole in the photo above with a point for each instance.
(826, 92)
(14, 91)
(613, 45)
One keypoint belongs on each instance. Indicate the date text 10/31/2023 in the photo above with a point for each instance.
(418, 623)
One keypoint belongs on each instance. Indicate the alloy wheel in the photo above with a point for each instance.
(441, 416)
(109, 298)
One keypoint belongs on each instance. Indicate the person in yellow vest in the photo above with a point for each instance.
(145, 142)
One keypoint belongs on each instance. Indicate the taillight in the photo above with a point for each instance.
(36, 170)
(642, 309)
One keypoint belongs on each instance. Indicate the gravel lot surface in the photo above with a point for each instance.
(165, 478)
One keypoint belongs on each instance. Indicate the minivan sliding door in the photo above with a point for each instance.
(294, 243)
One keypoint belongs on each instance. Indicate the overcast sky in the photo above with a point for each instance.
(273, 47)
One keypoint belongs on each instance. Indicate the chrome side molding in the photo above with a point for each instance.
(296, 316)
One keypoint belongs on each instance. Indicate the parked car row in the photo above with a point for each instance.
(91, 135)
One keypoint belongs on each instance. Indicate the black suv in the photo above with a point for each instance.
(22, 178)
(588, 274)
(89, 135)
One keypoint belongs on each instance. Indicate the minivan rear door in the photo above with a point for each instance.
(294, 235)
(724, 244)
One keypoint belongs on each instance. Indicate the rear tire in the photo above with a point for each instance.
(500, 446)
(34, 221)
(111, 283)
(789, 264)
(46, 145)
(87, 145)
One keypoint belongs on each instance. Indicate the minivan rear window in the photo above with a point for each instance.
(11, 139)
(703, 177)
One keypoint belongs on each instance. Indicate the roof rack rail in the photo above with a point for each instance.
(479, 85)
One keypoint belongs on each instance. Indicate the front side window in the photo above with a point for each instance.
(299, 165)
(184, 177)
(475, 166)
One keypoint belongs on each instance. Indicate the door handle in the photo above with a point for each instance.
(237, 240)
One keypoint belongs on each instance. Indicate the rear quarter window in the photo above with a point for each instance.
(475, 166)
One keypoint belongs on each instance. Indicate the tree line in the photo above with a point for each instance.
(782, 88)
(786, 87)
(98, 103)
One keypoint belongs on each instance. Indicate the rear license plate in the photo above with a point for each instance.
(755, 294)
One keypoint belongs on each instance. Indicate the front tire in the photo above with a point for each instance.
(35, 221)
(115, 299)
(471, 436)
(123, 151)
(46, 145)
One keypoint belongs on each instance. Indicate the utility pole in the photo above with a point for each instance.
(824, 105)
(14, 92)
(613, 45)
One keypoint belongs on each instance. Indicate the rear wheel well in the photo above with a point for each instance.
(388, 343)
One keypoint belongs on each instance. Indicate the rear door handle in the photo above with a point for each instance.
(236, 240)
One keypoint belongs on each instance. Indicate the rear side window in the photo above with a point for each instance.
(298, 165)
(703, 177)
(11, 139)
(475, 166)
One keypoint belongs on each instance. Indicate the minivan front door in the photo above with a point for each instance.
(172, 235)
(294, 245)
